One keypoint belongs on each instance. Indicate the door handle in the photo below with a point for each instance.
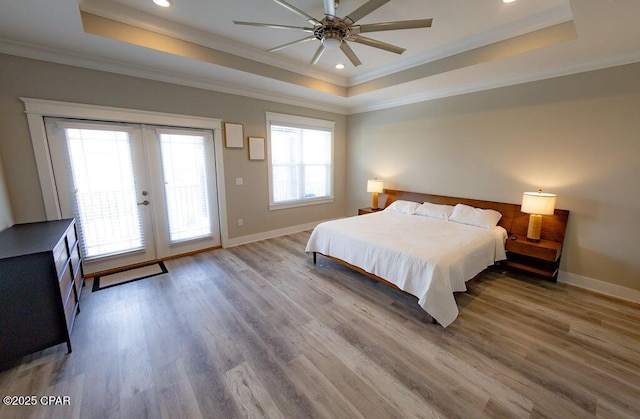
(145, 202)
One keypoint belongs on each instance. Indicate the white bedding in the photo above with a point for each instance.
(426, 257)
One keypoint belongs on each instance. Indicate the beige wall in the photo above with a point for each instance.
(20, 77)
(577, 136)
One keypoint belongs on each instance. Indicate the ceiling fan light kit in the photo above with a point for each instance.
(331, 42)
(163, 3)
(334, 32)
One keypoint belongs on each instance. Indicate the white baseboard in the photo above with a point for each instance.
(237, 241)
(598, 286)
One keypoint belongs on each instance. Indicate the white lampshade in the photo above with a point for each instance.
(375, 185)
(538, 203)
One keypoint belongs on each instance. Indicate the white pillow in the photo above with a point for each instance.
(405, 207)
(442, 212)
(485, 218)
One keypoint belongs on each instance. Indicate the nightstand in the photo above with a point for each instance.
(541, 258)
(368, 210)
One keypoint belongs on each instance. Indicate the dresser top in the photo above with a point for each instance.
(30, 238)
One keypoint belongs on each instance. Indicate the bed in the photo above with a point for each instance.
(426, 255)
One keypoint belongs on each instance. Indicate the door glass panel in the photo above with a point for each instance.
(185, 183)
(105, 191)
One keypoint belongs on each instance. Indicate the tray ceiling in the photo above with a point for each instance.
(471, 45)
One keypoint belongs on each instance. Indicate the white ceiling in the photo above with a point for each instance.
(472, 45)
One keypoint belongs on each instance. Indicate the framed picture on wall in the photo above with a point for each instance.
(256, 148)
(233, 135)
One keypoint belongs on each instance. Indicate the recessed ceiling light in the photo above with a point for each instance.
(163, 3)
(339, 66)
(508, 1)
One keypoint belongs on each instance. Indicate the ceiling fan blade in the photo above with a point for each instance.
(364, 10)
(299, 41)
(297, 11)
(350, 54)
(272, 25)
(377, 44)
(318, 54)
(392, 26)
(330, 9)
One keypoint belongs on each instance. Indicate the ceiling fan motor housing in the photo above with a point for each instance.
(331, 34)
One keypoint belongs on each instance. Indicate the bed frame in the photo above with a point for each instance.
(513, 220)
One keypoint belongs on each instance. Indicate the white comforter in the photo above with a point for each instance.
(426, 257)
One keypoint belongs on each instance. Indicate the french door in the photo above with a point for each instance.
(138, 192)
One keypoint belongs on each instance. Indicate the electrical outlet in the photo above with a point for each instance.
(239, 181)
(240, 222)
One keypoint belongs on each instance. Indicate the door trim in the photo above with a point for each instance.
(37, 109)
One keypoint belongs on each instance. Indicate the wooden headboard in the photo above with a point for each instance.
(513, 220)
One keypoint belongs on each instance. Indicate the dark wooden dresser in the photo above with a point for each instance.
(41, 280)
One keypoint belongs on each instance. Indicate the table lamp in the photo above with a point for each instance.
(375, 186)
(537, 204)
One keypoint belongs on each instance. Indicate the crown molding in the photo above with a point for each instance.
(542, 20)
(118, 12)
(427, 95)
(63, 57)
(93, 63)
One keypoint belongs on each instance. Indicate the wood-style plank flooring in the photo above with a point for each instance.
(259, 331)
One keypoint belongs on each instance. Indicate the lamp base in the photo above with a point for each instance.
(374, 200)
(535, 226)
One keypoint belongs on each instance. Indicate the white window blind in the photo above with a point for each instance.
(105, 192)
(185, 181)
(300, 160)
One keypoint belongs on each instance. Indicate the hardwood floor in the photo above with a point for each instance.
(259, 331)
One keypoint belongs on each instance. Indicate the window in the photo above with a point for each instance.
(300, 161)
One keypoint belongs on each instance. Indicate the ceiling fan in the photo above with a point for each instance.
(334, 32)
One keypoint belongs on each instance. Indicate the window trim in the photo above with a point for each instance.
(294, 121)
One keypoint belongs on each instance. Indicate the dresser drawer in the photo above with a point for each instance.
(71, 236)
(77, 283)
(70, 310)
(60, 255)
(75, 259)
(66, 282)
